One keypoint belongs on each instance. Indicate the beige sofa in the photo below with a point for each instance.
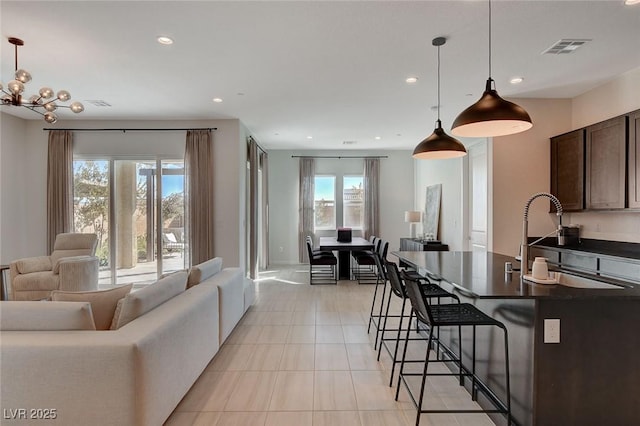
(135, 375)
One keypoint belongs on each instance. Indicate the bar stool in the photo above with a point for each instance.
(376, 318)
(428, 289)
(463, 314)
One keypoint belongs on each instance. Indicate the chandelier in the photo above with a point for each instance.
(44, 103)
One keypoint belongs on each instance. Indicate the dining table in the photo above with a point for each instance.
(344, 249)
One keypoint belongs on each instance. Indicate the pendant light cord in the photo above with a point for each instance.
(438, 84)
(489, 38)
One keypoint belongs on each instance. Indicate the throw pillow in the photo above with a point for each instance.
(103, 302)
(142, 301)
(46, 316)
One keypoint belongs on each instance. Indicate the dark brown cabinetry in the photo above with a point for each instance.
(606, 164)
(634, 159)
(567, 170)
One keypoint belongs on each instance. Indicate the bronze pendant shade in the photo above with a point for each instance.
(491, 116)
(439, 145)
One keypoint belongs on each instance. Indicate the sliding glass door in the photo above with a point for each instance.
(143, 200)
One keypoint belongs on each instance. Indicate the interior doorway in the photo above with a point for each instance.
(477, 215)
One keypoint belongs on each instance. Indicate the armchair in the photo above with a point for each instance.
(72, 266)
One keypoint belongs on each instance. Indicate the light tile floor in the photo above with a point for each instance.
(302, 356)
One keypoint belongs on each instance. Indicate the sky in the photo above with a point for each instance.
(170, 183)
(325, 185)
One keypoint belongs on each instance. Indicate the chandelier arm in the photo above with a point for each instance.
(33, 108)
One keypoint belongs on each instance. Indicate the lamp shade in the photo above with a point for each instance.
(491, 116)
(439, 145)
(412, 216)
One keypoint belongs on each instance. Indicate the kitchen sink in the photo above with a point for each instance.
(570, 280)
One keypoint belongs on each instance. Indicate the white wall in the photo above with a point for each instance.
(24, 162)
(449, 173)
(13, 186)
(614, 98)
(521, 167)
(396, 195)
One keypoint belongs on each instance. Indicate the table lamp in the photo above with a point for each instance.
(412, 217)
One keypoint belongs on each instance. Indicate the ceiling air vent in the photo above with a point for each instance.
(99, 103)
(566, 45)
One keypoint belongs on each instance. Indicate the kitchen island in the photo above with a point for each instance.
(588, 378)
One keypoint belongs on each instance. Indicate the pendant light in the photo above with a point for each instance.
(439, 145)
(491, 115)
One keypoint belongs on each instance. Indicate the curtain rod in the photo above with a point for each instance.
(131, 130)
(338, 157)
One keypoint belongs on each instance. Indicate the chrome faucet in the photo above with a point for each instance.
(524, 250)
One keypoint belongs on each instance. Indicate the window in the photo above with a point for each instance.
(352, 202)
(324, 202)
(136, 207)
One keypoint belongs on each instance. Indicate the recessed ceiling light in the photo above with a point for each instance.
(165, 40)
(411, 80)
(377, 138)
(309, 137)
(217, 100)
(516, 80)
(630, 2)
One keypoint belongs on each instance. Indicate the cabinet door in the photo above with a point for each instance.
(634, 159)
(567, 170)
(606, 164)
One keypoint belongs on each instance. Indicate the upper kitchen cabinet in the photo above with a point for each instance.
(606, 164)
(567, 170)
(634, 159)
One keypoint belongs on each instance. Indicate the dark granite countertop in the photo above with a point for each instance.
(607, 248)
(482, 275)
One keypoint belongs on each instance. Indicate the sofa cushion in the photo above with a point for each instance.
(103, 302)
(142, 301)
(203, 271)
(46, 316)
(33, 264)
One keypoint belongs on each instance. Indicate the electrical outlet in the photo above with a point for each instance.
(552, 330)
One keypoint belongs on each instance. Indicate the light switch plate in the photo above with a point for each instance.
(552, 330)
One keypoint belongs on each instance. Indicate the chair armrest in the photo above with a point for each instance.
(78, 273)
(32, 264)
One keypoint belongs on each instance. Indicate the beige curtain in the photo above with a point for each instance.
(371, 197)
(253, 208)
(305, 205)
(59, 185)
(264, 253)
(198, 164)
